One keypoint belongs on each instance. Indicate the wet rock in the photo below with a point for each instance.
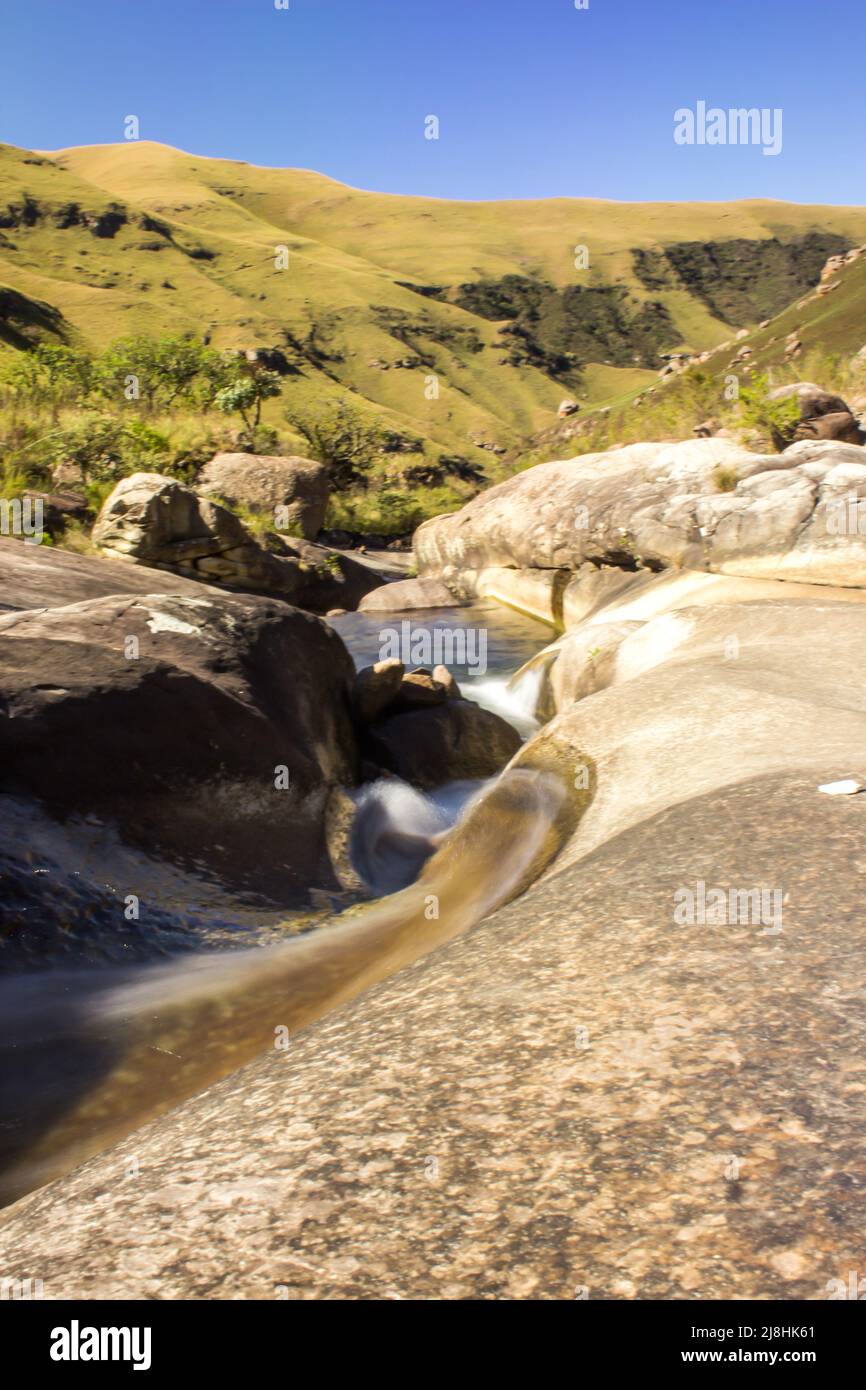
(405, 594)
(445, 678)
(375, 688)
(452, 741)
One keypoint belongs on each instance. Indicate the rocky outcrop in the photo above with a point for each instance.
(153, 520)
(292, 490)
(822, 416)
(207, 729)
(417, 726)
(702, 505)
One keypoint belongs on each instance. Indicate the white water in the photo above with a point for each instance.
(515, 701)
(398, 827)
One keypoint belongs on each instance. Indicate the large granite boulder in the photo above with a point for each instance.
(154, 520)
(702, 504)
(293, 490)
(208, 730)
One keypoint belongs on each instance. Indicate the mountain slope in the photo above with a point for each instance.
(383, 292)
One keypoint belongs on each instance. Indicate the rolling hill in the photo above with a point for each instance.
(383, 292)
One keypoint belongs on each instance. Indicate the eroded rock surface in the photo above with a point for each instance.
(702, 504)
(157, 521)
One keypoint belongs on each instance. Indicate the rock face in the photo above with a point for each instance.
(154, 520)
(658, 505)
(171, 716)
(297, 486)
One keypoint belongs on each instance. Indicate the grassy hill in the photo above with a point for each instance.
(383, 291)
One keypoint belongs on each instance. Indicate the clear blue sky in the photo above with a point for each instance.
(534, 98)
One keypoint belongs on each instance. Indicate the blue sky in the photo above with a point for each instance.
(534, 98)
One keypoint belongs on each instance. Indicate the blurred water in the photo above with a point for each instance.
(512, 638)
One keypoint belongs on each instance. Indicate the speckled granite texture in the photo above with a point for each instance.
(578, 1095)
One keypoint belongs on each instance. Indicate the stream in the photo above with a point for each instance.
(88, 1055)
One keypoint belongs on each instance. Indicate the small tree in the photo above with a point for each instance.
(340, 436)
(244, 395)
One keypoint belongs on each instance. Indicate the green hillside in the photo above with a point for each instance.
(383, 292)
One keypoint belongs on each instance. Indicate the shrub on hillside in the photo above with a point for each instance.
(339, 436)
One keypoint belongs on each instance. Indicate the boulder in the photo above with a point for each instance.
(815, 404)
(702, 504)
(375, 688)
(291, 489)
(839, 424)
(171, 716)
(446, 679)
(452, 741)
(405, 594)
(418, 690)
(41, 576)
(153, 520)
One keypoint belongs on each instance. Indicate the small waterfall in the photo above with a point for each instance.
(514, 698)
(397, 828)
(86, 1056)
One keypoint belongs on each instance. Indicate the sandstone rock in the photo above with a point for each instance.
(593, 588)
(418, 690)
(586, 660)
(567, 407)
(169, 716)
(658, 505)
(405, 594)
(455, 740)
(153, 520)
(814, 403)
(375, 688)
(297, 486)
(59, 508)
(37, 576)
(445, 678)
(839, 424)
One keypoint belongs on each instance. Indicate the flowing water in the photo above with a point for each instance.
(88, 1055)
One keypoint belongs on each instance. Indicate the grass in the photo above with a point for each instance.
(190, 245)
(197, 251)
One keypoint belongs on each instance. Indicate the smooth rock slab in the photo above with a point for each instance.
(556, 1102)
